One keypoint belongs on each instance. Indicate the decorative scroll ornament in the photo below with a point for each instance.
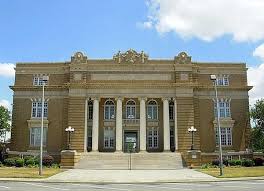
(183, 58)
(79, 57)
(130, 56)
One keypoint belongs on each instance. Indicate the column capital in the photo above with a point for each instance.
(95, 98)
(119, 98)
(143, 98)
(166, 98)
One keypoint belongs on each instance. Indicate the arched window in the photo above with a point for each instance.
(152, 109)
(109, 110)
(130, 109)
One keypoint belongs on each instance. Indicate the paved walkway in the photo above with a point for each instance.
(129, 176)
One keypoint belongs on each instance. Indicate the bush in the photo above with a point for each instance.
(238, 162)
(232, 162)
(29, 161)
(258, 161)
(10, 161)
(247, 162)
(19, 162)
(225, 162)
(47, 160)
(215, 162)
(55, 165)
(1, 164)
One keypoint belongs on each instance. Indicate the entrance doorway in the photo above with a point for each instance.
(130, 141)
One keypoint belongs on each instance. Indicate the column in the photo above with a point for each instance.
(166, 124)
(95, 130)
(142, 124)
(175, 125)
(119, 128)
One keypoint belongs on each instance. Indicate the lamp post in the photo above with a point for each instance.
(69, 130)
(214, 78)
(192, 130)
(44, 81)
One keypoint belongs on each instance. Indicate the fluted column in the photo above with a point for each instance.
(95, 130)
(142, 124)
(175, 125)
(166, 124)
(119, 128)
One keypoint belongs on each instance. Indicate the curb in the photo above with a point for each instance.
(130, 182)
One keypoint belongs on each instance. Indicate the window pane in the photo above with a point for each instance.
(155, 112)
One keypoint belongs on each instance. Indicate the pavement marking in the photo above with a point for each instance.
(101, 187)
(44, 186)
(4, 187)
(157, 186)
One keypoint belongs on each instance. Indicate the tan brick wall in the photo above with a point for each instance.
(20, 131)
(185, 116)
(57, 122)
(76, 119)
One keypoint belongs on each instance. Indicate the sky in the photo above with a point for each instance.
(208, 30)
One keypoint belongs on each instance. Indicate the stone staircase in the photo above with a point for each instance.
(142, 160)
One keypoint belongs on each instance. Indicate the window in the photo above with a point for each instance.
(153, 138)
(109, 110)
(35, 136)
(222, 80)
(37, 109)
(172, 145)
(109, 137)
(130, 109)
(89, 137)
(90, 110)
(37, 81)
(152, 110)
(224, 108)
(171, 110)
(226, 136)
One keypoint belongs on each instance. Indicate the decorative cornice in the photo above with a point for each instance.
(130, 57)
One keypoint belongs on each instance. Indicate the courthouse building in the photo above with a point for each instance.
(131, 98)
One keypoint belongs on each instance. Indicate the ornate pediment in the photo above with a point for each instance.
(130, 56)
(183, 58)
(79, 57)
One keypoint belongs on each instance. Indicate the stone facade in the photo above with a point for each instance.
(154, 102)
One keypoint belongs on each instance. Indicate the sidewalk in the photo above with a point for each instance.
(127, 176)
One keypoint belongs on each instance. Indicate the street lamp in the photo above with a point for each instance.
(214, 78)
(45, 79)
(192, 130)
(69, 130)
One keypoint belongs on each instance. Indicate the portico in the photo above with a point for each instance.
(145, 122)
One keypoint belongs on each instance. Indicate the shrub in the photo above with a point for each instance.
(1, 164)
(232, 162)
(29, 161)
(19, 162)
(225, 162)
(215, 162)
(258, 161)
(47, 160)
(55, 165)
(10, 161)
(205, 166)
(238, 162)
(247, 162)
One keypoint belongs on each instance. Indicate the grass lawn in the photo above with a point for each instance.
(12, 172)
(234, 172)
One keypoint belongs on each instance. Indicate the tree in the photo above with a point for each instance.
(257, 132)
(4, 120)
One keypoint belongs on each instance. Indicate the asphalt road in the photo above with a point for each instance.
(252, 185)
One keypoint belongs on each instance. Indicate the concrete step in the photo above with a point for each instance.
(118, 160)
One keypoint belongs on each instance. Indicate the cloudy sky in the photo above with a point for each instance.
(209, 30)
